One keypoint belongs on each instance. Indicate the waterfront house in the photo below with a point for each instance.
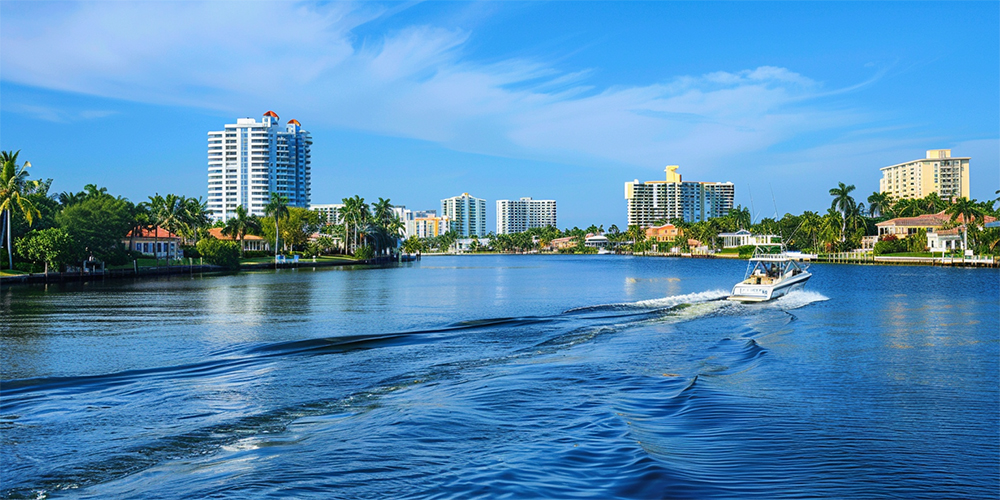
(561, 243)
(949, 239)
(251, 243)
(596, 241)
(743, 238)
(156, 242)
(666, 232)
(945, 240)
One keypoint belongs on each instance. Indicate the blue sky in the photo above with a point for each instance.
(420, 101)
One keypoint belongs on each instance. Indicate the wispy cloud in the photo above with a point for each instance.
(308, 62)
(56, 115)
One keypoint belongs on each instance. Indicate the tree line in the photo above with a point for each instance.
(38, 227)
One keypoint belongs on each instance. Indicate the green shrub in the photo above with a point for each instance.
(190, 251)
(364, 253)
(220, 253)
(745, 251)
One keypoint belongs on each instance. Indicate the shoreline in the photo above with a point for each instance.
(178, 270)
(866, 259)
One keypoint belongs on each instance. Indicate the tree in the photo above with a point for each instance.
(98, 225)
(967, 210)
(412, 245)
(843, 203)
(879, 204)
(14, 188)
(220, 253)
(277, 209)
(241, 225)
(51, 246)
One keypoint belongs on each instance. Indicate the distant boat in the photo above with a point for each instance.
(603, 251)
(769, 276)
(408, 257)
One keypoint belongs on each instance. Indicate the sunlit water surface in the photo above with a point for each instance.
(504, 376)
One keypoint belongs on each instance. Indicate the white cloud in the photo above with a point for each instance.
(307, 62)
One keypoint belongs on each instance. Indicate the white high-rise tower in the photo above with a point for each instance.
(249, 160)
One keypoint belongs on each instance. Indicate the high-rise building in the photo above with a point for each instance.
(653, 201)
(249, 160)
(430, 226)
(938, 173)
(410, 218)
(517, 216)
(329, 212)
(466, 215)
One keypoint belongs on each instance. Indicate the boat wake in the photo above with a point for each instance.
(661, 303)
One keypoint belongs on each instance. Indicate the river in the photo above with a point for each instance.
(504, 376)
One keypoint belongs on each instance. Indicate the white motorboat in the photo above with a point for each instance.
(769, 276)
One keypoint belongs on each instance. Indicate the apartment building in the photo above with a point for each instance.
(517, 216)
(466, 215)
(938, 173)
(249, 160)
(430, 226)
(328, 212)
(653, 201)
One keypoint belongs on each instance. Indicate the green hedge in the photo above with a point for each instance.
(220, 253)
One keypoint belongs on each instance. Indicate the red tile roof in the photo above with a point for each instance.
(926, 220)
(271, 113)
(294, 122)
(216, 233)
(159, 232)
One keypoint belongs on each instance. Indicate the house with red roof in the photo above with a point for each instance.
(251, 243)
(155, 242)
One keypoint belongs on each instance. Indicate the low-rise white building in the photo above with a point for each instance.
(743, 237)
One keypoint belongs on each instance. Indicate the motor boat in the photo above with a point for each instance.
(770, 275)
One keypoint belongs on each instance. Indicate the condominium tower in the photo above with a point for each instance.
(466, 215)
(249, 160)
(938, 173)
(653, 201)
(517, 216)
(329, 212)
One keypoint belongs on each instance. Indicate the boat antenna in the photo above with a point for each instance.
(775, 203)
(752, 210)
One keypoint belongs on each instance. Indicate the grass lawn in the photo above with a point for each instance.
(8, 272)
(729, 250)
(912, 254)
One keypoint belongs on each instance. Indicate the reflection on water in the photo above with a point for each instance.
(524, 376)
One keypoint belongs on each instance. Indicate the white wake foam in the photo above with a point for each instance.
(796, 299)
(673, 300)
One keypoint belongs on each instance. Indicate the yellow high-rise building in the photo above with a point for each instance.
(938, 173)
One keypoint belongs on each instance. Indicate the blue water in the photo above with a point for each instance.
(504, 377)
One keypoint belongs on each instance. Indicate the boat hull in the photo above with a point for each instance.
(744, 292)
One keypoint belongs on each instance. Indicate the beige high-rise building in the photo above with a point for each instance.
(938, 173)
(651, 202)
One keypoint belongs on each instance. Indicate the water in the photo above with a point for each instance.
(504, 376)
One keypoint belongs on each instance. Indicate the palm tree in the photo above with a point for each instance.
(196, 216)
(879, 204)
(932, 203)
(14, 185)
(968, 211)
(277, 208)
(169, 212)
(241, 225)
(843, 203)
(67, 198)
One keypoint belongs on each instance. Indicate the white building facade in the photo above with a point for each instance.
(249, 160)
(466, 215)
(654, 201)
(517, 216)
(329, 212)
